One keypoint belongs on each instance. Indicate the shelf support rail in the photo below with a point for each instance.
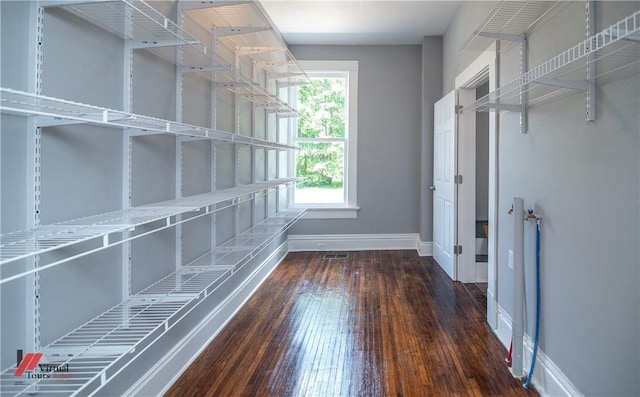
(33, 173)
(524, 67)
(590, 96)
(590, 51)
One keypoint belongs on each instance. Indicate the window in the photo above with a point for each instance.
(326, 133)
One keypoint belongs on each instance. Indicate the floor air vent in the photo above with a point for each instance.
(336, 256)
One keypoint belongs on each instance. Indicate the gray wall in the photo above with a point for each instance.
(389, 136)
(583, 178)
(454, 59)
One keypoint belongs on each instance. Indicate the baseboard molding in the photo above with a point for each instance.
(425, 248)
(492, 310)
(548, 379)
(160, 377)
(353, 242)
(503, 330)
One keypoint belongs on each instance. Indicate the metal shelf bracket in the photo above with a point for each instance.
(199, 5)
(271, 64)
(199, 69)
(570, 84)
(507, 107)
(257, 50)
(516, 38)
(276, 75)
(142, 44)
(237, 30)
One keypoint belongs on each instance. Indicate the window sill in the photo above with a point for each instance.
(332, 213)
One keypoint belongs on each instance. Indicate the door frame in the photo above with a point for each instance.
(483, 67)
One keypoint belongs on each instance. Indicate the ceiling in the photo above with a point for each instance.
(353, 22)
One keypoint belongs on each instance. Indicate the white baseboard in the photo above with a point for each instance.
(482, 272)
(163, 375)
(353, 242)
(492, 309)
(548, 379)
(503, 330)
(425, 248)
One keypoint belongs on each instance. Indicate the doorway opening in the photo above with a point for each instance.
(482, 194)
(478, 162)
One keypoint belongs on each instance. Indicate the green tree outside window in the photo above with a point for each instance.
(322, 115)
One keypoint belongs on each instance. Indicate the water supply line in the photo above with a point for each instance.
(529, 216)
(517, 324)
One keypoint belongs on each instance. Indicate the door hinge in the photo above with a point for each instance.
(457, 249)
(459, 109)
(457, 179)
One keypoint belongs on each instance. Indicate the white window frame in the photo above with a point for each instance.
(349, 208)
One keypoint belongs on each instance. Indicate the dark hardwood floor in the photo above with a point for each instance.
(378, 323)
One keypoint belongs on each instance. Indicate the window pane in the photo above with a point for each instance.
(322, 166)
(322, 108)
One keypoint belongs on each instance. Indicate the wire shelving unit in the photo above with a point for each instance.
(102, 347)
(103, 227)
(150, 30)
(247, 89)
(245, 29)
(53, 111)
(508, 18)
(612, 53)
(98, 351)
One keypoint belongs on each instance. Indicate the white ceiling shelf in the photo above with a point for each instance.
(97, 350)
(150, 30)
(53, 111)
(610, 54)
(507, 21)
(102, 228)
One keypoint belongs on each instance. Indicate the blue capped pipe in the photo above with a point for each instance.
(537, 335)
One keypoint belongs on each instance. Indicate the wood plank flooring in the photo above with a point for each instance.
(379, 323)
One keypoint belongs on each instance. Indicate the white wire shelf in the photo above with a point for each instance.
(510, 18)
(610, 54)
(252, 91)
(53, 111)
(245, 28)
(24, 244)
(96, 351)
(150, 30)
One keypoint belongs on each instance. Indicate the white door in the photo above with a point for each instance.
(444, 187)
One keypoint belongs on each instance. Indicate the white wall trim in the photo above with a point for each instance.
(503, 330)
(425, 248)
(350, 68)
(352, 242)
(166, 372)
(548, 379)
(492, 311)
